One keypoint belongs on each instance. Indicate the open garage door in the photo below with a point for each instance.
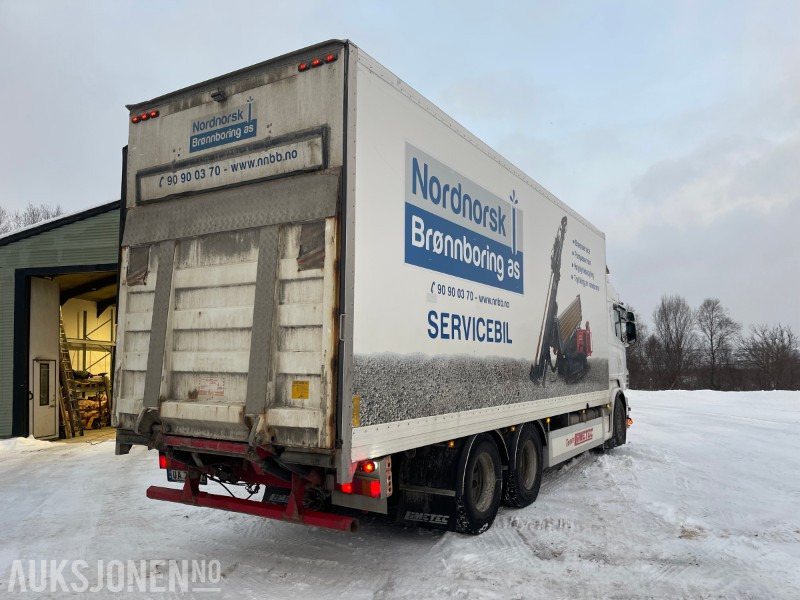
(43, 357)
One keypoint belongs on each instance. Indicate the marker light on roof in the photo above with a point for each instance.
(150, 114)
(317, 62)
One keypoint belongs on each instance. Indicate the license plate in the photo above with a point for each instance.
(177, 475)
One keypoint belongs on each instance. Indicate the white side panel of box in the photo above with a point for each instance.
(419, 378)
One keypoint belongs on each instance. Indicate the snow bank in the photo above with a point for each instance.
(20, 444)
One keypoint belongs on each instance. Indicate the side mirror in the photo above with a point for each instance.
(630, 332)
(630, 317)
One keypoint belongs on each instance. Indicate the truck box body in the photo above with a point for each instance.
(320, 260)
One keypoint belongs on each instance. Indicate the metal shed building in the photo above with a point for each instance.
(75, 257)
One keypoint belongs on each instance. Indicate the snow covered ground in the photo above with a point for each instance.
(704, 502)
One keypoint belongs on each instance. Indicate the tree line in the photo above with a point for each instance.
(704, 348)
(30, 215)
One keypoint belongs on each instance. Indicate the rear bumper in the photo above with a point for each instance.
(292, 512)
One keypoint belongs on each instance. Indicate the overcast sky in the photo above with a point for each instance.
(673, 126)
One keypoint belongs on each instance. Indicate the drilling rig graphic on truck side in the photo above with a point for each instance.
(561, 333)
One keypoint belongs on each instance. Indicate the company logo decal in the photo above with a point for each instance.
(456, 227)
(232, 125)
(426, 517)
(580, 438)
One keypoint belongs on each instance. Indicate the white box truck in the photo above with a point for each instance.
(334, 293)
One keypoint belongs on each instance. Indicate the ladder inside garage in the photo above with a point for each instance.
(70, 410)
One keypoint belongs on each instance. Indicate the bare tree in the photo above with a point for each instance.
(771, 355)
(33, 214)
(674, 323)
(718, 333)
(5, 221)
(30, 215)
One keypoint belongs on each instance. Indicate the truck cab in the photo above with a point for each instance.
(621, 333)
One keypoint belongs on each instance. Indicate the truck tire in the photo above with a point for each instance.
(480, 486)
(524, 475)
(620, 436)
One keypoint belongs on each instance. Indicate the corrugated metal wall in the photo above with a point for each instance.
(91, 241)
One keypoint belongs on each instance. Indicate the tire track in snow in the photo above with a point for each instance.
(558, 476)
(503, 546)
(671, 568)
(714, 564)
(712, 558)
(706, 555)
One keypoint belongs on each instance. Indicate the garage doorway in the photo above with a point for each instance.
(65, 352)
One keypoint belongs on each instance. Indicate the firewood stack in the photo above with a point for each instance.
(94, 411)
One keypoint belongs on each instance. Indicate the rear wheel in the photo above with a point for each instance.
(524, 475)
(478, 495)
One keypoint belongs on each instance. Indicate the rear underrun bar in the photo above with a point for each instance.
(292, 512)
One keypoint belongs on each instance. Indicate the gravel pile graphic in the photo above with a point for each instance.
(397, 387)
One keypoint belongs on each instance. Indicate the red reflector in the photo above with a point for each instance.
(153, 114)
(316, 62)
(302, 67)
(368, 466)
(145, 116)
(330, 58)
(162, 461)
(135, 119)
(375, 488)
(347, 488)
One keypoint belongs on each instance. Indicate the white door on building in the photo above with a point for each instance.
(45, 423)
(43, 357)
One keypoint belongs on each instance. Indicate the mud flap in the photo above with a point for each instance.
(428, 486)
(126, 439)
(276, 495)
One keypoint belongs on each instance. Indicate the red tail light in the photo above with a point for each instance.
(303, 67)
(375, 488)
(162, 461)
(331, 57)
(347, 488)
(135, 119)
(367, 466)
